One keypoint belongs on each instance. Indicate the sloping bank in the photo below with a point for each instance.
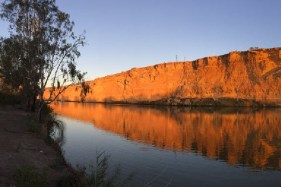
(239, 78)
(25, 158)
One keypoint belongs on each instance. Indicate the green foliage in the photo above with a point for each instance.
(26, 176)
(84, 91)
(17, 70)
(42, 48)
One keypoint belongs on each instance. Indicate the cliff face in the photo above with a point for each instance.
(249, 75)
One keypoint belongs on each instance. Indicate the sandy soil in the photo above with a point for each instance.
(19, 148)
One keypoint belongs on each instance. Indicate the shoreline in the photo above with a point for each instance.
(25, 153)
(191, 102)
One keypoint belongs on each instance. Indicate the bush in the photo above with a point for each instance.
(6, 99)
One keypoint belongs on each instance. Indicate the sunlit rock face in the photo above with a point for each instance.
(250, 75)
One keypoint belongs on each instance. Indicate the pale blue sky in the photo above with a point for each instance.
(122, 34)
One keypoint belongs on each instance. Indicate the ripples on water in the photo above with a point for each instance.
(177, 146)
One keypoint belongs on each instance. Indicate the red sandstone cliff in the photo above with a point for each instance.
(249, 75)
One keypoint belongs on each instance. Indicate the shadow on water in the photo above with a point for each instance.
(239, 136)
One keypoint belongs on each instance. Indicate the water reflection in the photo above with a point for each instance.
(240, 137)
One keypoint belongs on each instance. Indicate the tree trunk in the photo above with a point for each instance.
(27, 106)
(33, 105)
(39, 114)
(41, 105)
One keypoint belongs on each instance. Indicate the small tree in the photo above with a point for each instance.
(196, 88)
(44, 48)
(217, 91)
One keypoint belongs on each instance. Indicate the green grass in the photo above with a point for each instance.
(26, 176)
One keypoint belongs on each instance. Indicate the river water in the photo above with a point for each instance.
(171, 146)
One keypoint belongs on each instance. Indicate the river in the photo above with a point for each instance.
(176, 146)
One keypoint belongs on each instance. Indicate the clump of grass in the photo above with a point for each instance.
(51, 129)
(40, 127)
(70, 181)
(99, 176)
(26, 176)
(55, 130)
(54, 134)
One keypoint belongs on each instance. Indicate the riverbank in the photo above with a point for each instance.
(192, 102)
(24, 153)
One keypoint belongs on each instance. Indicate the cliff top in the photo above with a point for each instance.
(251, 50)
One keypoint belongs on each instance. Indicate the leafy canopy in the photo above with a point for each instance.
(42, 48)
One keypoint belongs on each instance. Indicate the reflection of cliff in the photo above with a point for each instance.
(253, 74)
(252, 139)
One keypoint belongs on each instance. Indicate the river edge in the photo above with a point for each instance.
(189, 102)
(24, 152)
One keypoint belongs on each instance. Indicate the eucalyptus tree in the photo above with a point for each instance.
(17, 71)
(44, 47)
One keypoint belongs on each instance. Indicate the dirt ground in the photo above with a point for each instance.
(21, 148)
